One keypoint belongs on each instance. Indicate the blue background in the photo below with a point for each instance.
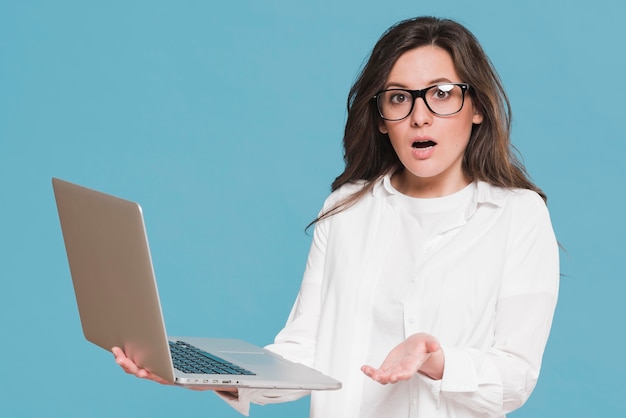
(225, 120)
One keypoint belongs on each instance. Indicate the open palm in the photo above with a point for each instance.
(406, 359)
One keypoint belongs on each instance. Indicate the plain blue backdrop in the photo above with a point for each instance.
(225, 121)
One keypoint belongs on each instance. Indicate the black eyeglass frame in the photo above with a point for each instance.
(415, 94)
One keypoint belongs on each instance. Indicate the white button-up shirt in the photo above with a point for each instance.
(485, 284)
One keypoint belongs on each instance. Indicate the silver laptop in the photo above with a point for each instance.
(118, 302)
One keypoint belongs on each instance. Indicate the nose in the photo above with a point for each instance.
(420, 115)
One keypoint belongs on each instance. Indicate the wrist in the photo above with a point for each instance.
(433, 367)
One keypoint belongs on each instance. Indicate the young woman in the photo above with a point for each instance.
(433, 273)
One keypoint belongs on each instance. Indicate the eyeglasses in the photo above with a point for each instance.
(441, 99)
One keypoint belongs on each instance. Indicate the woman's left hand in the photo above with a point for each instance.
(418, 353)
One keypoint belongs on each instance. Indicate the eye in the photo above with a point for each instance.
(442, 91)
(398, 97)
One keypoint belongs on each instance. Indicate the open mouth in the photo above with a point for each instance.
(423, 144)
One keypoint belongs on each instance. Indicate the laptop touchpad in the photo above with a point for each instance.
(249, 358)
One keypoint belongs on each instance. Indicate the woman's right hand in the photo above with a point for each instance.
(130, 367)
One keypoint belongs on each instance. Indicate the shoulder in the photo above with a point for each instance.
(352, 203)
(508, 197)
(344, 192)
(520, 206)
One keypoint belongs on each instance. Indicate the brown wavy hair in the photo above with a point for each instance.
(489, 155)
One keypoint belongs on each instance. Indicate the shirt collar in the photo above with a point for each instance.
(484, 193)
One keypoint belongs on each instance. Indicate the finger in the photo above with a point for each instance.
(118, 353)
(120, 357)
(375, 374)
(393, 375)
(148, 375)
(370, 371)
(125, 363)
(155, 378)
(401, 375)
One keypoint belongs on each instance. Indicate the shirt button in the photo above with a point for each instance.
(411, 320)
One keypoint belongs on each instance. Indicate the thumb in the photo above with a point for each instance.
(433, 346)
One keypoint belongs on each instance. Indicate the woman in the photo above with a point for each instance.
(434, 257)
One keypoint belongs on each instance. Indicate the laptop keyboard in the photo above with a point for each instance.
(190, 359)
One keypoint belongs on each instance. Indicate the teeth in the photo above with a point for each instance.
(422, 145)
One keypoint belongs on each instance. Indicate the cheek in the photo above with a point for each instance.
(395, 131)
(464, 128)
(397, 135)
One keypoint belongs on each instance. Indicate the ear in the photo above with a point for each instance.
(382, 128)
(477, 119)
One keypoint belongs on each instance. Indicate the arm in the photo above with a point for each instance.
(498, 376)
(500, 379)
(295, 342)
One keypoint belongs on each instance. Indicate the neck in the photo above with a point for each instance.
(429, 187)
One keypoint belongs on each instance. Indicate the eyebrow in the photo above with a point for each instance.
(441, 80)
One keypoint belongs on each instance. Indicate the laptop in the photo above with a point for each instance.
(118, 303)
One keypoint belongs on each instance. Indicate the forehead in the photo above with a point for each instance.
(421, 67)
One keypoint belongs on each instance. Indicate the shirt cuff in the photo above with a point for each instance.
(239, 401)
(460, 371)
(459, 374)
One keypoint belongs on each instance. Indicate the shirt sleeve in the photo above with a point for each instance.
(501, 379)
